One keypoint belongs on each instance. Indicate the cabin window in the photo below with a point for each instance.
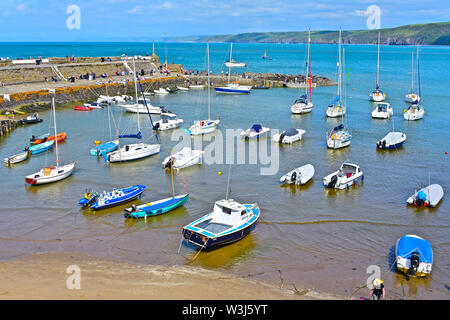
(138, 149)
(243, 212)
(60, 171)
(226, 210)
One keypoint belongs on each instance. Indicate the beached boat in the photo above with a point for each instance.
(414, 256)
(347, 175)
(392, 140)
(31, 119)
(256, 131)
(383, 110)
(52, 173)
(377, 95)
(429, 196)
(60, 137)
(83, 108)
(38, 148)
(299, 175)
(102, 200)
(186, 157)
(289, 135)
(22, 156)
(168, 121)
(411, 96)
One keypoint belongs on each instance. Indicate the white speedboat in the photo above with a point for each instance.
(414, 112)
(289, 135)
(347, 175)
(383, 110)
(429, 196)
(185, 158)
(233, 88)
(392, 140)
(203, 127)
(168, 121)
(161, 91)
(414, 256)
(50, 174)
(339, 137)
(302, 105)
(133, 151)
(299, 175)
(255, 131)
(17, 157)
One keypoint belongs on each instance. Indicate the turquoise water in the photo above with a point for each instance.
(324, 239)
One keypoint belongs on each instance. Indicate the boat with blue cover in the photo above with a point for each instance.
(105, 199)
(414, 256)
(156, 208)
(105, 148)
(38, 148)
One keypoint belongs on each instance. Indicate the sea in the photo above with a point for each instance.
(307, 237)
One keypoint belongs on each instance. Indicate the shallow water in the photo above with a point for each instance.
(306, 235)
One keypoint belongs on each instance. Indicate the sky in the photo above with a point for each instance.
(146, 20)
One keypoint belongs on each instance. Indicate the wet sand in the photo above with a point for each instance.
(43, 276)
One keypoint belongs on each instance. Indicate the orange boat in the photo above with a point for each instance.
(59, 138)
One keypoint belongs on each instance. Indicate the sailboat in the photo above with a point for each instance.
(205, 126)
(157, 207)
(303, 104)
(411, 96)
(265, 56)
(339, 137)
(134, 151)
(336, 109)
(107, 146)
(415, 111)
(234, 87)
(51, 173)
(378, 95)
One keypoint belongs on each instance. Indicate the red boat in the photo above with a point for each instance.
(82, 108)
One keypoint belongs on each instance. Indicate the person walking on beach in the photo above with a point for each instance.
(377, 292)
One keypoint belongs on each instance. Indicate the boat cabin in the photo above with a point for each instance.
(348, 170)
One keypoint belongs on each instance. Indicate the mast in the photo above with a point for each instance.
(339, 68)
(418, 72)
(229, 65)
(171, 173)
(228, 184)
(109, 116)
(412, 72)
(309, 64)
(378, 59)
(136, 91)
(209, 93)
(54, 121)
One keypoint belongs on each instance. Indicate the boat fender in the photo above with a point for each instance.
(87, 195)
(348, 186)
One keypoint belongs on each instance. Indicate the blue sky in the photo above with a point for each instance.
(144, 20)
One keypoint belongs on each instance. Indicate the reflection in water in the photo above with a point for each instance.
(294, 188)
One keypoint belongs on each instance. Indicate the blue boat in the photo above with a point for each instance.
(414, 256)
(155, 208)
(105, 199)
(104, 148)
(229, 222)
(38, 148)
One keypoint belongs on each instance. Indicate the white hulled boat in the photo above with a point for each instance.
(377, 95)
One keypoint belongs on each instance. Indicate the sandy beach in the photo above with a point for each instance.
(44, 276)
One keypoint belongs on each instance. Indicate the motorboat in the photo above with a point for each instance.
(31, 119)
(383, 110)
(196, 86)
(302, 105)
(230, 221)
(414, 256)
(186, 157)
(133, 151)
(347, 175)
(155, 208)
(93, 105)
(339, 137)
(102, 200)
(168, 121)
(255, 131)
(140, 107)
(392, 140)
(19, 157)
(429, 196)
(233, 88)
(203, 127)
(414, 112)
(182, 88)
(39, 148)
(289, 135)
(161, 91)
(83, 108)
(299, 176)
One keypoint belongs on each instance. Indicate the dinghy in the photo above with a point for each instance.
(60, 137)
(255, 131)
(392, 140)
(429, 196)
(168, 121)
(289, 135)
(38, 148)
(83, 108)
(185, 158)
(414, 256)
(299, 176)
(104, 148)
(383, 110)
(52, 173)
(347, 175)
(98, 201)
(31, 119)
(18, 157)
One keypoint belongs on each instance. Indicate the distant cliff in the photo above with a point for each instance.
(423, 34)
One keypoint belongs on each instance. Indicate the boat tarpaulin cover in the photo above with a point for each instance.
(256, 127)
(137, 136)
(290, 132)
(409, 244)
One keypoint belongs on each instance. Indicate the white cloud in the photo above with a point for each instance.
(134, 10)
(168, 5)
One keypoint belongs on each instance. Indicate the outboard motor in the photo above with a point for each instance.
(420, 199)
(293, 177)
(384, 144)
(168, 164)
(156, 126)
(281, 137)
(415, 261)
(332, 182)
